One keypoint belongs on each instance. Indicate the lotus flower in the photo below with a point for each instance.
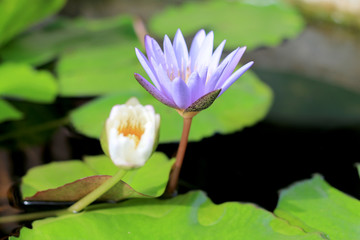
(188, 81)
(130, 134)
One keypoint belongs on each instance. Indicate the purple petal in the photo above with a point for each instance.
(164, 81)
(148, 46)
(181, 52)
(154, 91)
(203, 72)
(147, 67)
(231, 66)
(214, 78)
(205, 51)
(196, 86)
(195, 46)
(158, 54)
(212, 81)
(214, 61)
(170, 57)
(235, 76)
(181, 93)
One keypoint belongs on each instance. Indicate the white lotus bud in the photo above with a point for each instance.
(131, 134)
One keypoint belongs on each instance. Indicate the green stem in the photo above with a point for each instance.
(98, 192)
(32, 216)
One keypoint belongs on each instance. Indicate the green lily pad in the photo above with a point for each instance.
(22, 82)
(71, 180)
(101, 69)
(316, 206)
(65, 35)
(189, 216)
(249, 23)
(8, 112)
(78, 189)
(242, 105)
(17, 15)
(95, 56)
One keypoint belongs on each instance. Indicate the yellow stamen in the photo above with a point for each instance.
(132, 131)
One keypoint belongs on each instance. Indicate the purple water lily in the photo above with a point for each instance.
(188, 81)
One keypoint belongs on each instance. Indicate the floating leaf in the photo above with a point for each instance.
(314, 204)
(96, 56)
(71, 180)
(105, 68)
(189, 216)
(8, 112)
(66, 35)
(245, 103)
(22, 82)
(17, 15)
(155, 173)
(78, 189)
(249, 23)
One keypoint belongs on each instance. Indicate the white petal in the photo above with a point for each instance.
(129, 149)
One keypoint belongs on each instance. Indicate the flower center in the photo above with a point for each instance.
(183, 72)
(132, 131)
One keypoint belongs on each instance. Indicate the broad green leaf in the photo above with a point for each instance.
(17, 15)
(249, 23)
(62, 35)
(53, 175)
(242, 105)
(21, 81)
(78, 189)
(96, 56)
(67, 35)
(70, 180)
(107, 67)
(189, 216)
(155, 173)
(7, 112)
(358, 168)
(314, 204)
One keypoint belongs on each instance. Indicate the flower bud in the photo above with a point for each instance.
(130, 134)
